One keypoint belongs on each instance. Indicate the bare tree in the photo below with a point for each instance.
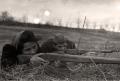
(101, 26)
(84, 23)
(94, 25)
(5, 16)
(67, 24)
(78, 22)
(25, 19)
(59, 22)
(87, 24)
(119, 27)
(113, 27)
(106, 25)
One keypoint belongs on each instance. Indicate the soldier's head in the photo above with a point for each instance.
(60, 41)
(26, 43)
(59, 38)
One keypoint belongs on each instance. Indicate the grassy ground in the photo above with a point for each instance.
(89, 39)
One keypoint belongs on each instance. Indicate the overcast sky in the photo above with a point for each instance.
(68, 10)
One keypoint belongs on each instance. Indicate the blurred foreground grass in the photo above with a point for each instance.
(86, 72)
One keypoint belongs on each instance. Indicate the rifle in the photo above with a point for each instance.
(78, 58)
(73, 55)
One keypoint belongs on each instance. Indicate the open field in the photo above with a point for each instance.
(89, 39)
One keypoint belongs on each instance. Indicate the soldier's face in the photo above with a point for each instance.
(30, 48)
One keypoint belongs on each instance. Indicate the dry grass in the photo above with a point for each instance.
(86, 72)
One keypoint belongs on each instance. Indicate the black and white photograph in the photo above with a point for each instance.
(59, 40)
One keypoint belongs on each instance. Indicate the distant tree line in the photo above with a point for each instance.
(7, 19)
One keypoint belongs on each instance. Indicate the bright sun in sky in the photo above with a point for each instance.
(37, 20)
(47, 13)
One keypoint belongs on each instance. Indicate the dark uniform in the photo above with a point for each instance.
(11, 52)
(58, 43)
(9, 57)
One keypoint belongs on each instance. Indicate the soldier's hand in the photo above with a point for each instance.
(36, 60)
(60, 47)
(24, 59)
